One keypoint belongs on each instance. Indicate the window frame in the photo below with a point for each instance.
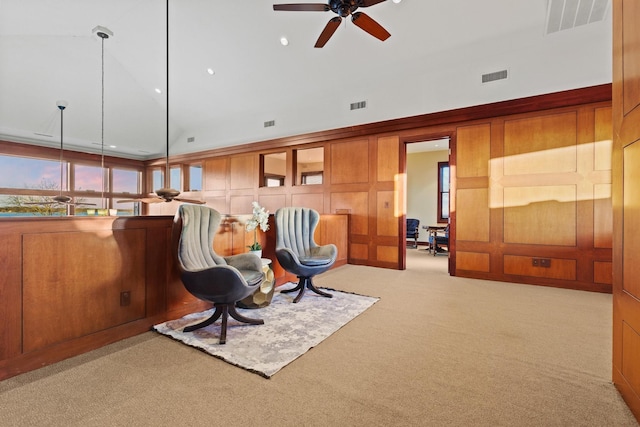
(441, 167)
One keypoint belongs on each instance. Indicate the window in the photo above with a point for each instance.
(24, 172)
(174, 178)
(157, 179)
(30, 183)
(443, 191)
(126, 181)
(88, 178)
(274, 169)
(195, 178)
(310, 178)
(309, 166)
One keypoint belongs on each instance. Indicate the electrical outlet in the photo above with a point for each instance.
(125, 298)
(535, 262)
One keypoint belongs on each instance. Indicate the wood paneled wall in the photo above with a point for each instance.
(531, 178)
(536, 187)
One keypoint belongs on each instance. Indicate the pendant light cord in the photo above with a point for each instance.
(166, 172)
(103, 202)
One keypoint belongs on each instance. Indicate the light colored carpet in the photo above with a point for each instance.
(434, 351)
(289, 329)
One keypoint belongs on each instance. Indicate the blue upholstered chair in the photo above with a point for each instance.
(413, 230)
(296, 250)
(220, 280)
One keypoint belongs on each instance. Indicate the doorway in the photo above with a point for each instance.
(427, 192)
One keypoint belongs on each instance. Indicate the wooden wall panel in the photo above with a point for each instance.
(10, 296)
(603, 272)
(473, 261)
(387, 254)
(473, 148)
(309, 200)
(272, 202)
(359, 251)
(603, 138)
(386, 222)
(631, 198)
(350, 162)
(388, 158)
(240, 205)
(602, 216)
(218, 203)
(564, 269)
(243, 172)
(473, 214)
(215, 173)
(540, 215)
(357, 204)
(86, 288)
(542, 144)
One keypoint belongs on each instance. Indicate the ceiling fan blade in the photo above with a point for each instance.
(302, 7)
(143, 200)
(328, 31)
(370, 26)
(194, 201)
(367, 3)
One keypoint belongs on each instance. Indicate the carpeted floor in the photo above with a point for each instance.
(433, 351)
(289, 329)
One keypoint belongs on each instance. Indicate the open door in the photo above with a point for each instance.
(626, 201)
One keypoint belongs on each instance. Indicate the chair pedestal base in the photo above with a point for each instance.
(303, 284)
(224, 311)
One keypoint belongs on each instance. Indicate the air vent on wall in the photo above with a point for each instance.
(191, 139)
(270, 123)
(359, 105)
(497, 75)
(567, 14)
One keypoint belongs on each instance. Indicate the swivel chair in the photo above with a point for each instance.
(220, 280)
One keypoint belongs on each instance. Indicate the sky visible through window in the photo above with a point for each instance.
(25, 172)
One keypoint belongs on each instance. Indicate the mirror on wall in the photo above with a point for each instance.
(274, 169)
(309, 166)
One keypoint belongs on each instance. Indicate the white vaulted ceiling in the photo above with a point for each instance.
(433, 61)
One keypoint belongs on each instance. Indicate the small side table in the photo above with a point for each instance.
(263, 295)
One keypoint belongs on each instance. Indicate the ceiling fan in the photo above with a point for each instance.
(61, 199)
(165, 194)
(342, 8)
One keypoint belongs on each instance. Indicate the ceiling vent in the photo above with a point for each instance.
(270, 123)
(359, 105)
(567, 14)
(492, 77)
(191, 139)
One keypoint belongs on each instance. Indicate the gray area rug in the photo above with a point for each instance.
(289, 330)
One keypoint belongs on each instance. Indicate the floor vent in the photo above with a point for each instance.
(270, 123)
(567, 14)
(491, 77)
(359, 105)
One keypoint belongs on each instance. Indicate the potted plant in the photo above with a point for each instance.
(260, 218)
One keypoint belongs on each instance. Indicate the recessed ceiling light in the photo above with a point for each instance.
(284, 41)
(210, 71)
(113, 146)
(158, 90)
(396, 1)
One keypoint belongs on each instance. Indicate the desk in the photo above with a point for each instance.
(432, 230)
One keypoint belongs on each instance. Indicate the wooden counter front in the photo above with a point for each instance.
(74, 284)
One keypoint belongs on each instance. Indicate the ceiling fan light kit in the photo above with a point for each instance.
(342, 8)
